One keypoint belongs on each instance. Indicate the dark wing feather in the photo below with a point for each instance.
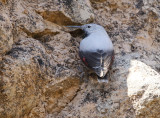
(99, 61)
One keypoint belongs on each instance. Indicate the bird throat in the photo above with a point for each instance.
(85, 34)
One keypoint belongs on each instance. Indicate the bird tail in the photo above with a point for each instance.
(103, 79)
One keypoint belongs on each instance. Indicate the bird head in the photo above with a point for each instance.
(89, 28)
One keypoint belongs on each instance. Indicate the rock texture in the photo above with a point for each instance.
(41, 75)
(6, 37)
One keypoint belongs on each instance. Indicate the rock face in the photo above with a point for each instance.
(41, 75)
(6, 37)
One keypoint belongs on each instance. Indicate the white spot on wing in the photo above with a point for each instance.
(101, 74)
(101, 60)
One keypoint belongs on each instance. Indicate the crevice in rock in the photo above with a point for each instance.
(77, 33)
(76, 93)
(63, 93)
(57, 17)
(39, 35)
(97, 1)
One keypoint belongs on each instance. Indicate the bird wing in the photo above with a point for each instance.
(99, 61)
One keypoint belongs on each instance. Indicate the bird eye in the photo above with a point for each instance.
(89, 26)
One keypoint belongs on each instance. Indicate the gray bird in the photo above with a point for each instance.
(96, 50)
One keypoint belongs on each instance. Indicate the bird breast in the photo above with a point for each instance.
(96, 42)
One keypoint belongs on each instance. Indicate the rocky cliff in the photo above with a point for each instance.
(41, 75)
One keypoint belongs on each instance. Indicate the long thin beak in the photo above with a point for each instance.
(74, 26)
